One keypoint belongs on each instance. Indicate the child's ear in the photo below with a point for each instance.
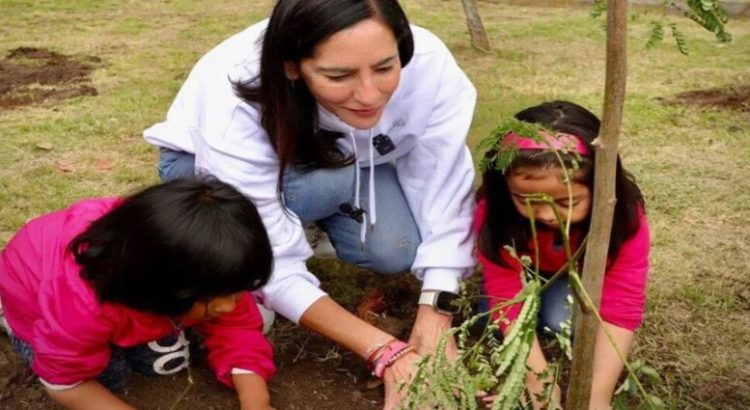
(291, 70)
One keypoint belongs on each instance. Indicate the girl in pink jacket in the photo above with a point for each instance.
(502, 220)
(108, 284)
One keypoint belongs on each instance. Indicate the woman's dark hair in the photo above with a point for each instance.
(288, 109)
(504, 225)
(170, 245)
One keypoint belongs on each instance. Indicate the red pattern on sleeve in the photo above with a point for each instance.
(500, 283)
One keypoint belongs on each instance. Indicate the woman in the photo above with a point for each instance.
(339, 112)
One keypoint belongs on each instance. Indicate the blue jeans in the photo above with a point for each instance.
(163, 357)
(553, 310)
(315, 196)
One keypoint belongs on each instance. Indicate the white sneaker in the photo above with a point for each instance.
(319, 242)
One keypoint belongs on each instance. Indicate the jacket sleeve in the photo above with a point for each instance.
(624, 289)
(231, 145)
(235, 340)
(500, 283)
(437, 175)
(71, 339)
(174, 132)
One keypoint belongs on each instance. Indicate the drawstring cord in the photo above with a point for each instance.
(357, 205)
(372, 217)
(373, 213)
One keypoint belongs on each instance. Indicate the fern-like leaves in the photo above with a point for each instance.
(710, 15)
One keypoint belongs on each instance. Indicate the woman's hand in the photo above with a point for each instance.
(429, 326)
(398, 378)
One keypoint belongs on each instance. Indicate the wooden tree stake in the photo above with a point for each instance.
(476, 28)
(579, 390)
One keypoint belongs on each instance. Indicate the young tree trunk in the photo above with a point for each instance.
(476, 28)
(579, 390)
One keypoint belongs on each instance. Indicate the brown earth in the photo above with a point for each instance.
(33, 75)
(730, 98)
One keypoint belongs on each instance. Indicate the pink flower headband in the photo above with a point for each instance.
(560, 141)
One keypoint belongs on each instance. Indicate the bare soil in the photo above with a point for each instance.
(735, 98)
(34, 75)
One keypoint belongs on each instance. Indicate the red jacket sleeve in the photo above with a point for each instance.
(624, 289)
(500, 283)
(236, 340)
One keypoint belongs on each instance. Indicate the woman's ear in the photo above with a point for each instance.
(291, 70)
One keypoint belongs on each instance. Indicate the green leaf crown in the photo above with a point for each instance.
(499, 156)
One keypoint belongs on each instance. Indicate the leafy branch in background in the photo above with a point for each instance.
(710, 15)
(706, 13)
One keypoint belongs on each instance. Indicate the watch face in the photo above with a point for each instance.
(445, 303)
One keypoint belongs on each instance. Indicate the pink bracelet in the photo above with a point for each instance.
(392, 352)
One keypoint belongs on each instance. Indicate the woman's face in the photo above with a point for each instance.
(549, 181)
(353, 73)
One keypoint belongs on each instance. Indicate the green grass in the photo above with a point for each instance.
(691, 164)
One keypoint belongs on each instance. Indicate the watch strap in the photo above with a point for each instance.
(428, 297)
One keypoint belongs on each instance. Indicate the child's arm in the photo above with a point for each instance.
(607, 368)
(535, 385)
(88, 395)
(252, 391)
(607, 364)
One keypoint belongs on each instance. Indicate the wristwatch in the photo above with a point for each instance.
(441, 300)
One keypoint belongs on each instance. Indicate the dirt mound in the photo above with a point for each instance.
(32, 75)
(730, 98)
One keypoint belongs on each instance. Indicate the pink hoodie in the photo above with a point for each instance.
(49, 306)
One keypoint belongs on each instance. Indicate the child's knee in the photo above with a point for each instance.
(553, 319)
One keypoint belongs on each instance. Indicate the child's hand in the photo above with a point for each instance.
(486, 398)
(541, 397)
(252, 391)
(533, 391)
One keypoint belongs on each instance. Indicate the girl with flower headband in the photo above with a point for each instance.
(525, 164)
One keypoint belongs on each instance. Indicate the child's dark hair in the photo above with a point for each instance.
(504, 225)
(173, 244)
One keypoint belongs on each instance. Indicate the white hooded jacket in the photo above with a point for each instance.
(427, 119)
